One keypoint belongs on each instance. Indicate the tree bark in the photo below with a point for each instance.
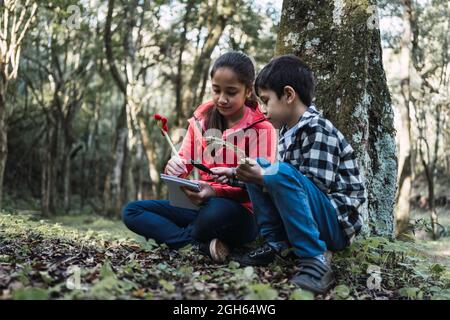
(402, 212)
(340, 40)
(3, 135)
(113, 192)
(48, 178)
(15, 20)
(69, 140)
(115, 181)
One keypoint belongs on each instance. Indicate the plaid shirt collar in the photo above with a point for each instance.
(310, 113)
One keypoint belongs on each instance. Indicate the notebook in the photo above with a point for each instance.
(177, 197)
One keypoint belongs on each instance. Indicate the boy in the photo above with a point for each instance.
(310, 197)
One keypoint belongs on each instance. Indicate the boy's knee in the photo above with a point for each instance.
(275, 172)
(263, 162)
(278, 173)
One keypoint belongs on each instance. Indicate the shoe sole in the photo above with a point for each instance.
(218, 250)
(314, 290)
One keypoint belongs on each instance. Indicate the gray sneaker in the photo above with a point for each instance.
(314, 276)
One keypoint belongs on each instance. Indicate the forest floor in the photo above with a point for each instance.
(90, 257)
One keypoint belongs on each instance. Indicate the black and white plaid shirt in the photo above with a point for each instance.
(321, 152)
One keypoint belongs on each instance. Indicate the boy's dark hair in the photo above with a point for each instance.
(244, 69)
(287, 70)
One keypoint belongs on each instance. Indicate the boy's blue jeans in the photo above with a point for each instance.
(220, 218)
(294, 210)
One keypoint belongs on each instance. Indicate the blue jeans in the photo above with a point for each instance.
(294, 210)
(219, 218)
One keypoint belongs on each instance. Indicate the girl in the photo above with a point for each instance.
(225, 218)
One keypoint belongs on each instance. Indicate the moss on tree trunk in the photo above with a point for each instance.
(340, 40)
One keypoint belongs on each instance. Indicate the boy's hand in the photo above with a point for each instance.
(222, 174)
(197, 198)
(250, 173)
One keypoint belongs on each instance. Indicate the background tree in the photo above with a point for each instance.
(432, 98)
(418, 57)
(15, 20)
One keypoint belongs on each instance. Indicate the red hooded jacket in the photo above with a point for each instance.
(253, 133)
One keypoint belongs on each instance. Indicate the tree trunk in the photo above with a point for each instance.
(48, 178)
(3, 136)
(66, 181)
(15, 19)
(402, 212)
(152, 158)
(96, 152)
(340, 40)
(116, 179)
(113, 192)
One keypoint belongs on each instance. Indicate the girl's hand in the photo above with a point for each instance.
(222, 174)
(176, 166)
(197, 198)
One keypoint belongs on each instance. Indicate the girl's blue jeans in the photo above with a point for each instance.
(219, 218)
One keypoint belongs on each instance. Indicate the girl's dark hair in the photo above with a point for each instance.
(244, 69)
